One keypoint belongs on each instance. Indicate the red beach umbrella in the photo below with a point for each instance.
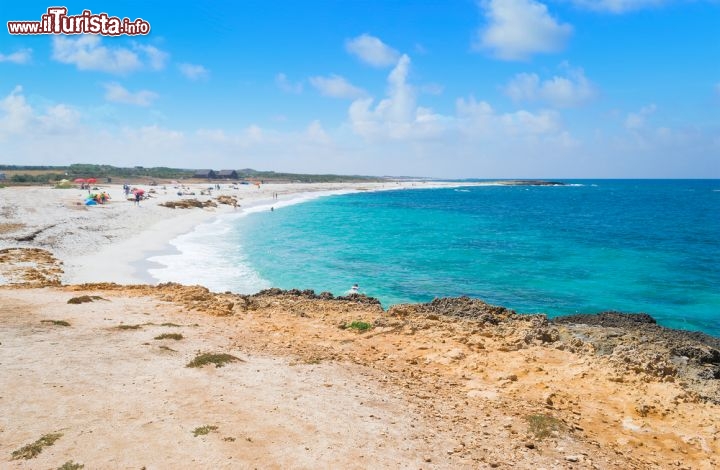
(91, 180)
(138, 191)
(79, 180)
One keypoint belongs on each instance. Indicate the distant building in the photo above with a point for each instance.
(205, 174)
(227, 174)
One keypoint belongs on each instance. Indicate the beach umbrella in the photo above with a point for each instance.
(91, 180)
(79, 180)
(138, 191)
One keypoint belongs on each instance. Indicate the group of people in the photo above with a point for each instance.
(100, 198)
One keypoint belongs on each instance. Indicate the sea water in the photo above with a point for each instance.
(589, 246)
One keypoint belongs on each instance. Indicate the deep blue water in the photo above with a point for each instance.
(631, 245)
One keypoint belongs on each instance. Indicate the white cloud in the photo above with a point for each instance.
(568, 91)
(17, 117)
(617, 6)
(336, 86)
(400, 137)
(22, 56)
(154, 136)
(397, 116)
(480, 117)
(372, 51)
(517, 29)
(88, 53)
(156, 58)
(316, 133)
(636, 121)
(286, 85)
(116, 93)
(194, 72)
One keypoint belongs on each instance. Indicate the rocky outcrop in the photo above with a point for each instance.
(188, 204)
(636, 343)
(310, 294)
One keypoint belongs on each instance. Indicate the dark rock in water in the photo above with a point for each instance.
(360, 299)
(610, 319)
(637, 343)
(310, 294)
(465, 307)
(271, 292)
(702, 355)
(531, 183)
(710, 373)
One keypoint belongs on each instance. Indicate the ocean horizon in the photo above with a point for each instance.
(588, 246)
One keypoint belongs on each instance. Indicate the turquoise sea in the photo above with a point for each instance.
(631, 245)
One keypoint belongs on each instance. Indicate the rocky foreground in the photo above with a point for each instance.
(325, 382)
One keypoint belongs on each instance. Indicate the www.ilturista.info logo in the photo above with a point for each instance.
(57, 21)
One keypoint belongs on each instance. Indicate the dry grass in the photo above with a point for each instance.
(204, 430)
(70, 465)
(31, 451)
(210, 358)
(542, 426)
(56, 322)
(175, 336)
(84, 299)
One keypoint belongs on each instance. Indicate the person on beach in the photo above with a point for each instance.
(137, 198)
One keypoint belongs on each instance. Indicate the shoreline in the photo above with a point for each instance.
(114, 242)
(146, 256)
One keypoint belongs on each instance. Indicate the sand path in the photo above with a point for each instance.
(122, 399)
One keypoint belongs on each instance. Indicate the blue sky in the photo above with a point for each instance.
(457, 88)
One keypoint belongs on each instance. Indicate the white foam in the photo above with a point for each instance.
(209, 257)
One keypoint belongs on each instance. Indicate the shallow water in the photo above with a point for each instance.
(636, 246)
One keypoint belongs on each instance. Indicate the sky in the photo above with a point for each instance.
(448, 89)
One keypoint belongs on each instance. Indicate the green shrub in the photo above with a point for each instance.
(359, 325)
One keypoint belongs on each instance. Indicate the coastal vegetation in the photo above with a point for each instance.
(542, 426)
(56, 322)
(84, 299)
(128, 327)
(204, 430)
(26, 174)
(175, 336)
(359, 326)
(211, 358)
(70, 465)
(31, 451)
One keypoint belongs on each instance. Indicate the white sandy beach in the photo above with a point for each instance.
(110, 243)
